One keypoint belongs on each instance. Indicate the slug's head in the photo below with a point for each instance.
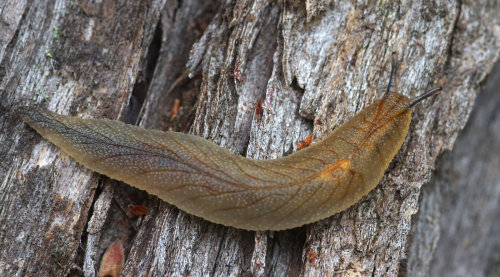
(392, 96)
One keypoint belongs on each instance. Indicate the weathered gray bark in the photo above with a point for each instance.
(309, 62)
(73, 57)
(456, 230)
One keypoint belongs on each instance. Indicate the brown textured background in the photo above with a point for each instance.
(307, 61)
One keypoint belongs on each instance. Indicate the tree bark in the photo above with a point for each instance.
(456, 230)
(311, 64)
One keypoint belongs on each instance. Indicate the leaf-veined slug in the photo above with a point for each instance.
(203, 179)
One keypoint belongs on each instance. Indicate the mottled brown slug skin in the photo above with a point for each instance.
(211, 182)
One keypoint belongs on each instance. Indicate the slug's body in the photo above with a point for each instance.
(206, 180)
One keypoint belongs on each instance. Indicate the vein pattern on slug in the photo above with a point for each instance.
(206, 180)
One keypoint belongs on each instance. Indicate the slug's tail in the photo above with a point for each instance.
(40, 119)
(32, 114)
(120, 151)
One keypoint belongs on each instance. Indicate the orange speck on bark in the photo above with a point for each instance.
(112, 260)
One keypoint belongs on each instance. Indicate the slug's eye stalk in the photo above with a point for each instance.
(392, 87)
(392, 81)
(426, 94)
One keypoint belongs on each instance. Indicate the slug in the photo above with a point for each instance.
(208, 181)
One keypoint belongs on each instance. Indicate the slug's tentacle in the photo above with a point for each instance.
(392, 87)
(425, 95)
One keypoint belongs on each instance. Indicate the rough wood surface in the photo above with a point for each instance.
(456, 230)
(81, 58)
(312, 64)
